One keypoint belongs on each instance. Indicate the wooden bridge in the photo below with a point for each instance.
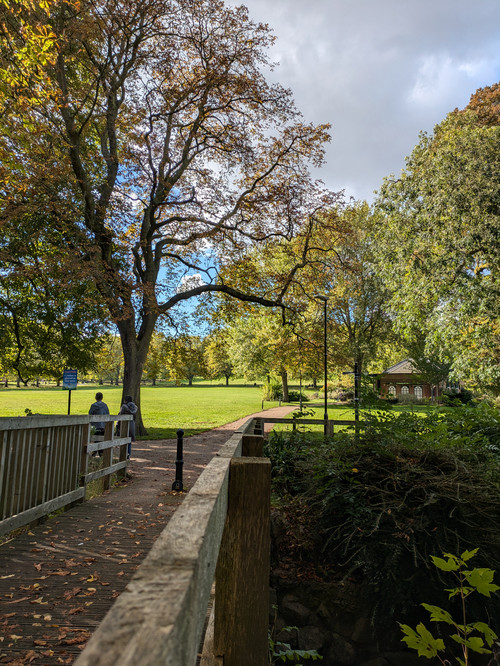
(59, 580)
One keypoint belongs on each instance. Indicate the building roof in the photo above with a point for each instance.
(405, 367)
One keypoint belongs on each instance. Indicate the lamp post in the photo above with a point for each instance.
(320, 297)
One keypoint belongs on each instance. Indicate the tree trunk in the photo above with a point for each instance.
(227, 380)
(190, 380)
(135, 350)
(284, 383)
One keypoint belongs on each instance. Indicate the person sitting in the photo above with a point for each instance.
(99, 407)
(129, 407)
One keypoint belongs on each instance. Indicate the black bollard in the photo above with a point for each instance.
(177, 484)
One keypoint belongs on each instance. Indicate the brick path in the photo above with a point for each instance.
(58, 580)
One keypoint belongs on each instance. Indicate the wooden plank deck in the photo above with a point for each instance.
(58, 580)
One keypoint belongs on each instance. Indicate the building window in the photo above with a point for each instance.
(405, 390)
(419, 394)
(392, 391)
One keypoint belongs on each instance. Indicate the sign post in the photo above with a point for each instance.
(70, 380)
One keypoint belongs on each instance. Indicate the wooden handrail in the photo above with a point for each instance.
(44, 463)
(221, 530)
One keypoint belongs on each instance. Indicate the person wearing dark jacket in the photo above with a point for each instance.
(129, 407)
(99, 407)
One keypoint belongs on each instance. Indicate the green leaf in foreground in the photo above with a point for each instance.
(422, 640)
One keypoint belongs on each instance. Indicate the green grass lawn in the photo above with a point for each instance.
(165, 409)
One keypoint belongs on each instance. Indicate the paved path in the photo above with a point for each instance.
(58, 580)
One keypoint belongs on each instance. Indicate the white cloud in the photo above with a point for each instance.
(190, 282)
(380, 71)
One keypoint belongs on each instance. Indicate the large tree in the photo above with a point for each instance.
(50, 318)
(168, 150)
(440, 240)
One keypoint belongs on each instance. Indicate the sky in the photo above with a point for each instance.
(379, 71)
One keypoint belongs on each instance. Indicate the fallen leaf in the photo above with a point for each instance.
(76, 640)
(48, 653)
(40, 642)
(16, 601)
(9, 576)
(47, 618)
(30, 656)
(15, 637)
(69, 594)
(39, 601)
(38, 567)
(72, 611)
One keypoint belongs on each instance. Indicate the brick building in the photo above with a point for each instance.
(402, 381)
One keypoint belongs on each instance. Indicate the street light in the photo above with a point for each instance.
(320, 297)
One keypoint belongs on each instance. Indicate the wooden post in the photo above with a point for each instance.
(242, 574)
(124, 430)
(107, 454)
(252, 446)
(84, 458)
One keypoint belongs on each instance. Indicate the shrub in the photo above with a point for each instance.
(343, 395)
(408, 487)
(294, 396)
(453, 397)
(288, 452)
(369, 398)
(272, 390)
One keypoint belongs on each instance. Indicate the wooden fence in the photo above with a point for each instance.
(220, 532)
(330, 423)
(44, 463)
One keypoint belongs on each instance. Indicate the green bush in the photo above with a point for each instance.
(453, 397)
(272, 390)
(289, 453)
(409, 486)
(294, 396)
(368, 398)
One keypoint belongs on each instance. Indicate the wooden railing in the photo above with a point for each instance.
(44, 463)
(330, 423)
(220, 532)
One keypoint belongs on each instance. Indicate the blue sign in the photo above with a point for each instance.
(70, 379)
